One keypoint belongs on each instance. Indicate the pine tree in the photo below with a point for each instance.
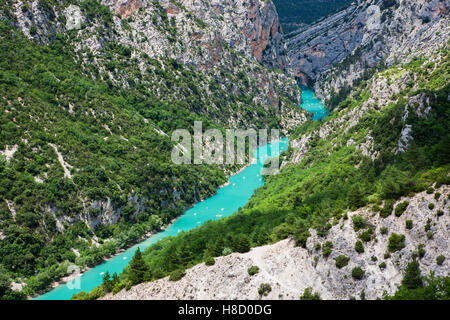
(185, 254)
(412, 278)
(139, 270)
(242, 244)
(173, 261)
(107, 283)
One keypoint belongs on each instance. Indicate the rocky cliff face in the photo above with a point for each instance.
(290, 270)
(235, 44)
(336, 51)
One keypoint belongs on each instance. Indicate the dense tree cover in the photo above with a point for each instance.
(415, 286)
(107, 135)
(296, 12)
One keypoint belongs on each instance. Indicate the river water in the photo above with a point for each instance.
(225, 202)
(312, 104)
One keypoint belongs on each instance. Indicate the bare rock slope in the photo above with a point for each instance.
(289, 269)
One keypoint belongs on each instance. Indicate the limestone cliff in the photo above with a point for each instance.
(336, 51)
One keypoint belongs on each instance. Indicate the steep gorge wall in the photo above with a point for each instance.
(336, 51)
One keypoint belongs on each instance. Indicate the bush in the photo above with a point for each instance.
(430, 190)
(357, 273)
(177, 275)
(409, 224)
(430, 235)
(308, 294)
(227, 251)
(400, 208)
(341, 261)
(431, 206)
(253, 270)
(210, 261)
(359, 247)
(396, 242)
(421, 251)
(359, 222)
(317, 246)
(387, 209)
(264, 289)
(440, 260)
(327, 248)
(440, 213)
(382, 265)
(301, 238)
(384, 230)
(437, 195)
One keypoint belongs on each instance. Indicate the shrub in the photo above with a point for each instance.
(227, 251)
(396, 242)
(437, 195)
(359, 247)
(409, 224)
(264, 289)
(387, 209)
(440, 260)
(428, 225)
(387, 255)
(357, 273)
(373, 258)
(308, 294)
(177, 275)
(358, 222)
(384, 230)
(382, 265)
(400, 208)
(376, 208)
(440, 213)
(317, 246)
(341, 261)
(242, 244)
(366, 236)
(431, 206)
(210, 261)
(327, 248)
(300, 239)
(253, 270)
(430, 235)
(430, 190)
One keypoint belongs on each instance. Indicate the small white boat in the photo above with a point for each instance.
(195, 213)
(124, 258)
(243, 177)
(234, 184)
(218, 215)
(102, 273)
(222, 209)
(179, 230)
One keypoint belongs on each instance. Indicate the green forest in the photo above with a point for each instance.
(293, 13)
(317, 192)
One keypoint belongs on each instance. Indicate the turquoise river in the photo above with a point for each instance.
(225, 202)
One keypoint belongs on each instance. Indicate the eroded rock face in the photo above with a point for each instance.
(290, 270)
(74, 18)
(126, 8)
(336, 51)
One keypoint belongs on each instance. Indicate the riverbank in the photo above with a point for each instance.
(226, 201)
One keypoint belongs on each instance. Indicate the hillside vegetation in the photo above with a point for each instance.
(387, 140)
